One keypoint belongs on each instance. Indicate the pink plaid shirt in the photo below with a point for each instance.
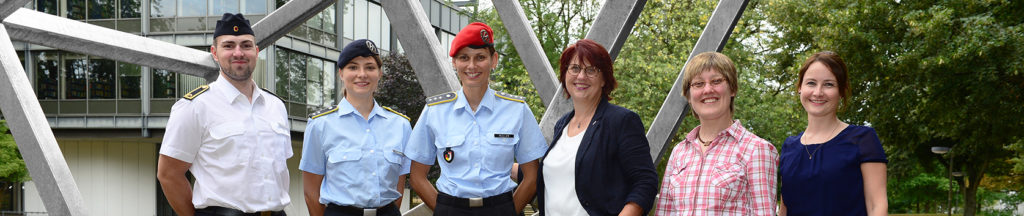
(736, 176)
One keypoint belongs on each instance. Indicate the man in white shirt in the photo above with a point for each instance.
(232, 135)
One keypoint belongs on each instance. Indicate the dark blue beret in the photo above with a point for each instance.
(358, 48)
(232, 24)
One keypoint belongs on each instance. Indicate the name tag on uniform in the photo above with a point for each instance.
(497, 135)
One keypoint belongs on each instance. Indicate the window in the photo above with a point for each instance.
(373, 22)
(360, 20)
(192, 8)
(76, 9)
(101, 78)
(162, 8)
(255, 6)
(219, 7)
(328, 79)
(314, 81)
(163, 84)
(102, 9)
(130, 8)
(48, 6)
(76, 68)
(130, 77)
(281, 83)
(47, 74)
(348, 19)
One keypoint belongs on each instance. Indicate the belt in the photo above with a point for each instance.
(222, 211)
(474, 202)
(352, 210)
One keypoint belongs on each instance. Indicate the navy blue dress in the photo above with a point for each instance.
(830, 183)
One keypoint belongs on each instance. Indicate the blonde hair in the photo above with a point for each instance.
(710, 61)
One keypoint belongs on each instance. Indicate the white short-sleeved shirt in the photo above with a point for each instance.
(238, 150)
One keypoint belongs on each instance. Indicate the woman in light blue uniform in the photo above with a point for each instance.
(475, 134)
(352, 158)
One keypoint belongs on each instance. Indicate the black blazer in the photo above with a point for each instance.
(613, 163)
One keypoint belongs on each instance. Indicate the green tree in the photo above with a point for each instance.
(399, 88)
(924, 73)
(12, 166)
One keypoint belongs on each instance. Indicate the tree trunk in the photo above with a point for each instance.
(974, 175)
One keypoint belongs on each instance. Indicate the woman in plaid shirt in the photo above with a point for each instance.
(720, 168)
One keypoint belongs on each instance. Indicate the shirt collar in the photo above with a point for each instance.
(346, 108)
(734, 130)
(462, 102)
(231, 94)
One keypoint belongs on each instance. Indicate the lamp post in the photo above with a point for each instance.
(943, 150)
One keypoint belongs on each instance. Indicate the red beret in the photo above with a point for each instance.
(475, 35)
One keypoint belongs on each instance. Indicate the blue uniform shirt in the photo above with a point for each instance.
(482, 144)
(360, 159)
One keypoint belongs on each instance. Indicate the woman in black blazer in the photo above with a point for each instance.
(598, 162)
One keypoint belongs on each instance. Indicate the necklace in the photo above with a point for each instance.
(704, 143)
(810, 155)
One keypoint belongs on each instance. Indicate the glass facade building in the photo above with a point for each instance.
(92, 102)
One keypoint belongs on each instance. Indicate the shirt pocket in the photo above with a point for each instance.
(226, 143)
(346, 160)
(729, 179)
(459, 165)
(500, 150)
(676, 177)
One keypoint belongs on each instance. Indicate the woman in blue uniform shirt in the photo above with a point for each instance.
(352, 158)
(832, 168)
(474, 134)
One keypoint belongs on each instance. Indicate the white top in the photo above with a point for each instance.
(560, 178)
(238, 150)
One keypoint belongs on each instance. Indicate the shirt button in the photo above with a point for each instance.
(367, 130)
(374, 174)
(371, 150)
(476, 165)
(344, 157)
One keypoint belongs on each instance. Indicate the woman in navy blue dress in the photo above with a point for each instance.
(832, 168)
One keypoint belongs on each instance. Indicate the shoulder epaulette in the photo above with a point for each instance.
(272, 93)
(510, 97)
(396, 112)
(442, 98)
(323, 112)
(196, 92)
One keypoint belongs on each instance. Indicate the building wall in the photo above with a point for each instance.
(115, 178)
(119, 177)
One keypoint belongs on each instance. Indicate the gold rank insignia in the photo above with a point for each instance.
(510, 97)
(442, 98)
(396, 112)
(196, 92)
(323, 112)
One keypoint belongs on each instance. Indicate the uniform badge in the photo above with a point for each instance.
(236, 29)
(504, 135)
(449, 155)
(484, 35)
(371, 47)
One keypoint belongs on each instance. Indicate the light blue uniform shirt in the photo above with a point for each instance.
(483, 143)
(360, 159)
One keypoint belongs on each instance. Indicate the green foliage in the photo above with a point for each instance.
(399, 88)
(12, 166)
(556, 24)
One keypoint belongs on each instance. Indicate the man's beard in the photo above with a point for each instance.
(244, 76)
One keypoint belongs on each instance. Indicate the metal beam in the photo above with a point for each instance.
(529, 49)
(286, 18)
(57, 32)
(614, 23)
(35, 140)
(432, 65)
(716, 34)
(8, 7)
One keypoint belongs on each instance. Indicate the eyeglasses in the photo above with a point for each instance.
(574, 70)
(700, 84)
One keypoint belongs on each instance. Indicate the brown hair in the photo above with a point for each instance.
(835, 64)
(591, 52)
(710, 61)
